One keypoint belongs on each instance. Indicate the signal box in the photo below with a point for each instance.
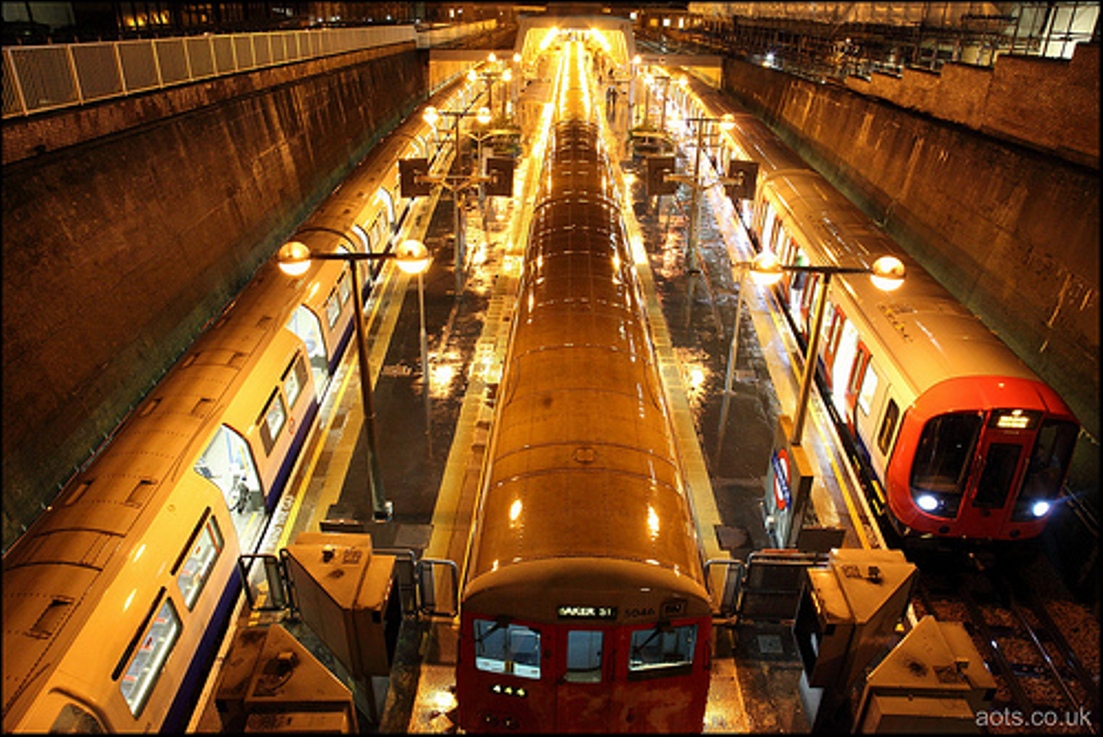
(345, 592)
(933, 681)
(657, 169)
(500, 171)
(408, 172)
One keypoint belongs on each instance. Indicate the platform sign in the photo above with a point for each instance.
(742, 177)
(787, 488)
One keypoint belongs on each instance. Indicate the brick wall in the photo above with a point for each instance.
(128, 225)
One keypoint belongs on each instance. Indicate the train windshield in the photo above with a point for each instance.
(507, 648)
(584, 656)
(941, 467)
(1049, 462)
(658, 651)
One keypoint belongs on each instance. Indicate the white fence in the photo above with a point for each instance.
(41, 78)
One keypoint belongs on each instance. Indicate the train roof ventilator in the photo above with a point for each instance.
(847, 616)
(933, 681)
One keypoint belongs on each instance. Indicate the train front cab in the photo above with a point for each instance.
(993, 473)
(597, 666)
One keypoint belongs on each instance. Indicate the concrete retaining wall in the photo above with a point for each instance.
(128, 225)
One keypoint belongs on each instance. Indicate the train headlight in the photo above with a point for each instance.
(1040, 508)
(927, 502)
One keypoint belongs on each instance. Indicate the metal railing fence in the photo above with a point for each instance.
(41, 78)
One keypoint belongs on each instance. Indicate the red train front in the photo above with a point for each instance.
(981, 457)
(589, 645)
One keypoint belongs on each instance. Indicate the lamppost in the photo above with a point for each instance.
(726, 123)
(294, 260)
(516, 83)
(634, 75)
(491, 73)
(886, 273)
(431, 116)
(663, 80)
(647, 80)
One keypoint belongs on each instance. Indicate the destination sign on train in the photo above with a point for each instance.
(587, 612)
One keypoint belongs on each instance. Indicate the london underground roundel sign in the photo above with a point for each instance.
(782, 495)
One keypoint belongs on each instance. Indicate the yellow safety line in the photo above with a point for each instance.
(859, 526)
(307, 474)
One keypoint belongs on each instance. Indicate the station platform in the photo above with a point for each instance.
(431, 453)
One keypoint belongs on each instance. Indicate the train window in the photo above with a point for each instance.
(293, 379)
(584, 656)
(72, 719)
(888, 424)
(944, 451)
(767, 232)
(305, 324)
(272, 421)
(826, 325)
(999, 470)
(203, 550)
(387, 199)
(157, 640)
(228, 464)
(362, 238)
(507, 648)
(869, 386)
(660, 650)
(333, 307)
(344, 286)
(779, 243)
(1048, 463)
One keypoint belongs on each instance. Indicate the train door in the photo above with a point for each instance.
(878, 430)
(842, 367)
(831, 344)
(72, 715)
(583, 697)
(228, 463)
(305, 324)
(807, 301)
(997, 466)
(854, 384)
(765, 235)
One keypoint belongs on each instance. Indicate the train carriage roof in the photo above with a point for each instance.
(930, 334)
(587, 512)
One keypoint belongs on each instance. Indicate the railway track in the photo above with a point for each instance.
(1043, 683)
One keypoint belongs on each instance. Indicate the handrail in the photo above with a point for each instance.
(38, 79)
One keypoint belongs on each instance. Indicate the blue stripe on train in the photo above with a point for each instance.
(187, 695)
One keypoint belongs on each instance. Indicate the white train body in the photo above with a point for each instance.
(964, 440)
